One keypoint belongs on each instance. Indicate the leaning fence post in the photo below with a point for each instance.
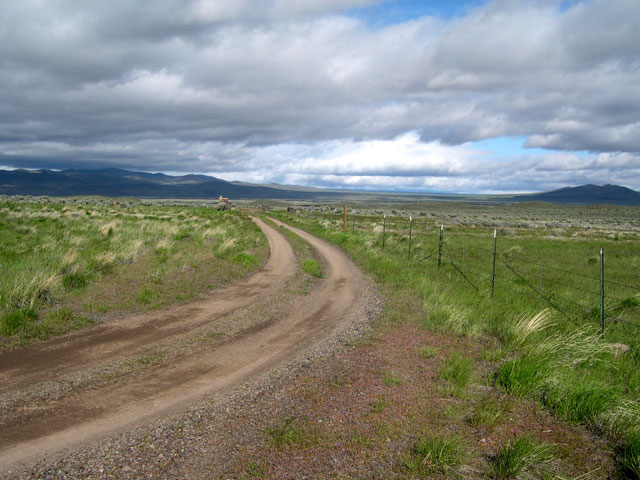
(495, 249)
(384, 228)
(410, 228)
(602, 292)
(440, 246)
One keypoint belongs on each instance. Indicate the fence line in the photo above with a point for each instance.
(450, 250)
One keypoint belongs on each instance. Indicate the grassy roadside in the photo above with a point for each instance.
(311, 263)
(67, 263)
(569, 370)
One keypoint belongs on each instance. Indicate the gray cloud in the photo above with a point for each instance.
(242, 87)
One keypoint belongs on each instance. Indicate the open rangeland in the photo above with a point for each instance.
(245, 379)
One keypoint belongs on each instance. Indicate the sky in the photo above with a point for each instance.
(459, 96)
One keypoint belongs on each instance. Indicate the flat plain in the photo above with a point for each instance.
(453, 378)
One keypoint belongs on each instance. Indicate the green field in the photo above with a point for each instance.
(545, 313)
(67, 263)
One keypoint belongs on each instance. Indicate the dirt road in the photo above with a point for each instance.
(58, 395)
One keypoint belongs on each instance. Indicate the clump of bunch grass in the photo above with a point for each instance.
(456, 370)
(548, 367)
(488, 412)
(439, 453)
(518, 457)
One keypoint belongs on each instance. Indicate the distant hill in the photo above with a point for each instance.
(113, 182)
(587, 195)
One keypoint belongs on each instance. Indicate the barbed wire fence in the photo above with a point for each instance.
(556, 285)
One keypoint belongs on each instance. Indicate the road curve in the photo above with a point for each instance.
(272, 329)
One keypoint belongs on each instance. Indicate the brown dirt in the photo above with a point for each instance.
(258, 327)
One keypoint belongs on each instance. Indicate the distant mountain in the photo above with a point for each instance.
(587, 195)
(113, 182)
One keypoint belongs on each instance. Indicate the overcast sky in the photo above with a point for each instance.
(456, 96)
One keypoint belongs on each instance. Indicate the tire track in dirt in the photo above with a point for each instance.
(286, 331)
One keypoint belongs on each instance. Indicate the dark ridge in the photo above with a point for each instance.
(587, 195)
(115, 182)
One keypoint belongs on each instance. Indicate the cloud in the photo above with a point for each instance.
(317, 95)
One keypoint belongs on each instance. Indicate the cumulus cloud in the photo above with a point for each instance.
(306, 92)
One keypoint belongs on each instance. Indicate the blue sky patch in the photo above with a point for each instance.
(399, 11)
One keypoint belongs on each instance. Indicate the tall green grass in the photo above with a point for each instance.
(52, 250)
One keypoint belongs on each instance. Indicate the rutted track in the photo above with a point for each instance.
(264, 328)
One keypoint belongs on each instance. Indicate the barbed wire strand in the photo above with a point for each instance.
(433, 252)
(574, 287)
(462, 273)
(551, 267)
(623, 320)
(536, 290)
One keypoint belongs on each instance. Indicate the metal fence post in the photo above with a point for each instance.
(440, 246)
(384, 229)
(344, 219)
(353, 224)
(602, 292)
(410, 228)
(495, 249)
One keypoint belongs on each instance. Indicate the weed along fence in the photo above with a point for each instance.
(586, 277)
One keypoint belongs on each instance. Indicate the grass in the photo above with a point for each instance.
(428, 351)
(456, 370)
(391, 379)
(557, 357)
(518, 457)
(380, 405)
(438, 453)
(489, 412)
(292, 432)
(92, 257)
(151, 358)
(630, 454)
(247, 260)
(312, 267)
(311, 264)
(24, 323)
